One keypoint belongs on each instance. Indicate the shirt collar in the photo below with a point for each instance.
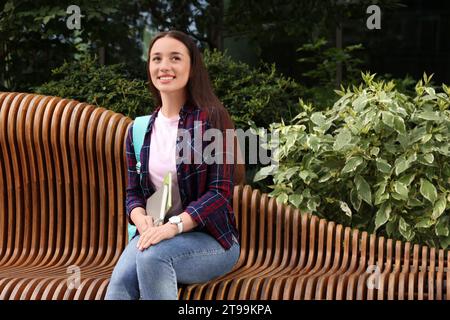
(184, 111)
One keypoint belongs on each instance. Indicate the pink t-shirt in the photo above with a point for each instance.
(162, 157)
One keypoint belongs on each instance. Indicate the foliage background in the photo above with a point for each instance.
(278, 64)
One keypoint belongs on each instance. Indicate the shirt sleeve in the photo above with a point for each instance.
(219, 180)
(134, 194)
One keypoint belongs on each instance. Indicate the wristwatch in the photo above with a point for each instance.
(177, 220)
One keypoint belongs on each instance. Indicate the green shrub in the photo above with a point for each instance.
(111, 87)
(319, 61)
(378, 160)
(260, 95)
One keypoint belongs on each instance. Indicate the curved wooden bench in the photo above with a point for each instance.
(62, 183)
(62, 206)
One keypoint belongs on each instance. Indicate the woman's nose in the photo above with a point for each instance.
(164, 69)
(164, 66)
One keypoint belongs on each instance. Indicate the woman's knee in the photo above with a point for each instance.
(151, 256)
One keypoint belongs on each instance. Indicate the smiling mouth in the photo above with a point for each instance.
(165, 78)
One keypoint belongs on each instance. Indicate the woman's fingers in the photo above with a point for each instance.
(149, 221)
(154, 235)
(145, 239)
(149, 240)
(143, 224)
(142, 238)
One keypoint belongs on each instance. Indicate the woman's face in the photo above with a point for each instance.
(170, 65)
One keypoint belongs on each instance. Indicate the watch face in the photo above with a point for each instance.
(175, 219)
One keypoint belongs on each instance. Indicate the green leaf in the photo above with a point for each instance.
(296, 199)
(424, 223)
(399, 125)
(429, 158)
(282, 198)
(383, 166)
(441, 227)
(426, 138)
(304, 174)
(318, 118)
(380, 195)
(446, 89)
(359, 103)
(352, 164)
(312, 205)
(363, 189)
(387, 118)
(342, 139)
(407, 179)
(439, 206)
(429, 115)
(344, 207)
(401, 189)
(374, 151)
(428, 190)
(382, 215)
(401, 165)
(290, 172)
(263, 173)
(430, 91)
(326, 177)
(405, 230)
(444, 243)
(354, 199)
(391, 227)
(414, 203)
(313, 142)
(47, 19)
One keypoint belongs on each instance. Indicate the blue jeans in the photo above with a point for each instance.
(153, 274)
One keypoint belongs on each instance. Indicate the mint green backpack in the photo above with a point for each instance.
(139, 127)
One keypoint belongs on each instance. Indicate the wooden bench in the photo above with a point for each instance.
(62, 202)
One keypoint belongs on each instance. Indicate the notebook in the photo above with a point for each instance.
(160, 202)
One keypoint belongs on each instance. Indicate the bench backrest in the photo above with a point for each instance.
(62, 179)
(62, 201)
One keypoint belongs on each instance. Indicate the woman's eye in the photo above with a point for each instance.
(156, 59)
(175, 58)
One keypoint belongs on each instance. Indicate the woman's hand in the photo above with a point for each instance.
(141, 220)
(154, 235)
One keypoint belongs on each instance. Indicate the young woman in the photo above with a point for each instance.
(199, 240)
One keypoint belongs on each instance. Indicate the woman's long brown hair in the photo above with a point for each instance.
(200, 93)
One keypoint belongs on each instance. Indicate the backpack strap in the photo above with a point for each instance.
(139, 128)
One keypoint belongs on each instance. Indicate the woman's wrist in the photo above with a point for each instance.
(137, 214)
(173, 227)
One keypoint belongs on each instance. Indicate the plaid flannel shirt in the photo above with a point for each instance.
(206, 190)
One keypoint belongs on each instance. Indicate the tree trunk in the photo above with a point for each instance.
(215, 30)
(102, 56)
(339, 46)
